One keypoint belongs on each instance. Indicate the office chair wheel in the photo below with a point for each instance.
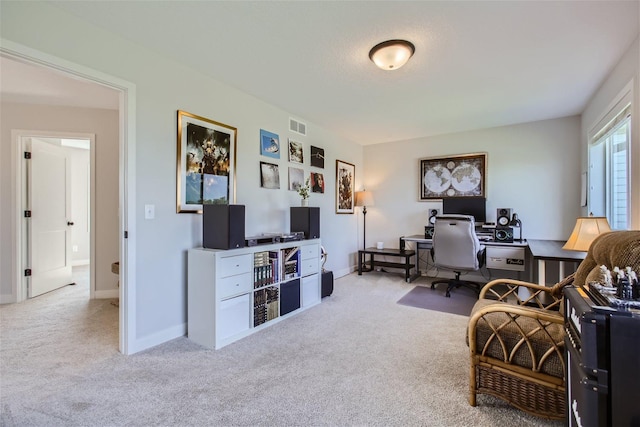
(447, 294)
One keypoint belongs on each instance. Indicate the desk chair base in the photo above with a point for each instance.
(456, 283)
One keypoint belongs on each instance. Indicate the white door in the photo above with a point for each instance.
(49, 236)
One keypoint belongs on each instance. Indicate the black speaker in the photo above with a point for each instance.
(504, 235)
(306, 220)
(223, 226)
(433, 213)
(327, 283)
(503, 217)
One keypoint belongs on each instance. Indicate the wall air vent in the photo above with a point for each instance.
(297, 127)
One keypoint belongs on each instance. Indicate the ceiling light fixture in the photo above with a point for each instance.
(392, 54)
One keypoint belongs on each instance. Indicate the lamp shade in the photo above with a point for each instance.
(364, 198)
(585, 231)
(392, 54)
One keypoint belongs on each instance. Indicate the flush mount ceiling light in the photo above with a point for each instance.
(392, 54)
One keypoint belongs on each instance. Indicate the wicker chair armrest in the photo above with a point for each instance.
(516, 330)
(539, 296)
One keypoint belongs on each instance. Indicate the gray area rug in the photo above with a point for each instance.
(461, 301)
(357, 359)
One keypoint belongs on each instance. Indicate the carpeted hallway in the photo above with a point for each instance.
(359, 358)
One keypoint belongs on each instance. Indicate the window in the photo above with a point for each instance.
(609, 169)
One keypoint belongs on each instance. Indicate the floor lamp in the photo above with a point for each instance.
(364, 198)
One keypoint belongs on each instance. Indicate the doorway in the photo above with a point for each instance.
(126, 183)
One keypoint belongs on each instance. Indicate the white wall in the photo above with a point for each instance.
(627, 70)
(162, 88)
(102, 123)
(533, 168)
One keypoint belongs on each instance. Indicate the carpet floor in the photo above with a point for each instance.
(357, 359)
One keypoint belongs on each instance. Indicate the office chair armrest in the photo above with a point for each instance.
(538, 296)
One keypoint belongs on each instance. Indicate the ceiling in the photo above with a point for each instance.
(477, 64)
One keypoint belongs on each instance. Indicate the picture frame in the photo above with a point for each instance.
(269, 144)
(453, 176)
(345, 181)
(316, 181)
(296, 151)
(269, 175)
(206, 163)
(296, 178)
(317, 157)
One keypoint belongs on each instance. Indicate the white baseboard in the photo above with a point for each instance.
(79, 262)
(158, 338)
(343, 272)
(106, 294)
(7, 299)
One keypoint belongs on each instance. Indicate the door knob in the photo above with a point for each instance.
(69, 222)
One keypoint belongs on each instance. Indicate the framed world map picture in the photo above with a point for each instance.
(455, 176)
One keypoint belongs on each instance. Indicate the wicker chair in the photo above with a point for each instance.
(517, 346)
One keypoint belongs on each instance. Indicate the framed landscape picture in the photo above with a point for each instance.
(455, 176)
(206, 162)
(345, 181)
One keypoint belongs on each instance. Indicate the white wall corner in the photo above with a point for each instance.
(7, 299)
(140, 344)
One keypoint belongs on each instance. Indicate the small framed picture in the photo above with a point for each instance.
(345, 181)
(269, 175)
(269, 144)
(296, 178)
(296, 154)
(317, 182)
(317, 157)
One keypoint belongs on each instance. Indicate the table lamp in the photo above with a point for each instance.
(586, 230)
(364, 198)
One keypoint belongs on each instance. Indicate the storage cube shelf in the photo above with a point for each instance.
(234, 293)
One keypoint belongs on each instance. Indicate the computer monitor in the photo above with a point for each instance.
(474, 206)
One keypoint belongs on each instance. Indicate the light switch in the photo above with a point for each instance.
(149, 211)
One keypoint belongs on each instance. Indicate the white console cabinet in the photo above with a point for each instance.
(234, 293)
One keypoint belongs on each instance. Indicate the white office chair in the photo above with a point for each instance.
(456, 247)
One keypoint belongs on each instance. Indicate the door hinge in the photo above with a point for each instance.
(27, 155)
(27, 272)
(126, 234)
(27, 214)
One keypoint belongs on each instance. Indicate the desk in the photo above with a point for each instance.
(499, 255)
(551, 250)
(407, 266)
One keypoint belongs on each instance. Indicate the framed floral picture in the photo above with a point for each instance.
(345, 181)
(454, 176)
(206, 163)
